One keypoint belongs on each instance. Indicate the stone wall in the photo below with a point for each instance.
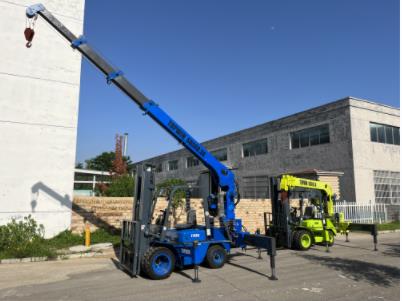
(108, 212)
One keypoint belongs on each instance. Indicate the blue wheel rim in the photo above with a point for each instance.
(161, 264)
(217, 257)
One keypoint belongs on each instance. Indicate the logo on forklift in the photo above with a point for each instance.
(186, 251)
(195, 235)
(308, 183)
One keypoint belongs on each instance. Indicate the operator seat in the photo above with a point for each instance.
(191, 221)
(309, 212)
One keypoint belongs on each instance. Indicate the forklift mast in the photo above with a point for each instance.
(224, 177)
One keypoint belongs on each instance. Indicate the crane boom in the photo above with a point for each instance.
(221, 173)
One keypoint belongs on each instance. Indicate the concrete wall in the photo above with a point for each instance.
(367, 155)
(334, 156)
(38, 115)
(350, 150)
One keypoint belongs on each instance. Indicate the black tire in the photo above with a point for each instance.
(331, 238)
(158, 263)
(302, 240)
(216, 257)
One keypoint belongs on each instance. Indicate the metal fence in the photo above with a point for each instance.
(363, 212)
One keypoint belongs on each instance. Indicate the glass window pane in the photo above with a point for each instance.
(315, 138)
(381, 134)
(396, 135)
(220, 154)
(388, 135)
(173, 165)
(254, 148)
(304, 139)
(295, 140)
(311, 136)
(324, 138)
(373, 132)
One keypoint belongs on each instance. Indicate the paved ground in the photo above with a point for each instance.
(352, 271)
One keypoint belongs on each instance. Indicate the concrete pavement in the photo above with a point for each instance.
(352, 271)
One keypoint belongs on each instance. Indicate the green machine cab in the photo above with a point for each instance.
(311, 221)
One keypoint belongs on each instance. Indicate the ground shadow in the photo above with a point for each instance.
(230, 256)
(66, 201)
(391, 250)
(358, 270)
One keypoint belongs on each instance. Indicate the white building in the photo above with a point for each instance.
(38, 114)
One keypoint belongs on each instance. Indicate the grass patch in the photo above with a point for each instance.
(101, 235)
(389, 226)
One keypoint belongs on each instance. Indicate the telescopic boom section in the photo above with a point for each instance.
(225, 177)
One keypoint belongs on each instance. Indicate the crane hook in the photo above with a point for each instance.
(29, 34)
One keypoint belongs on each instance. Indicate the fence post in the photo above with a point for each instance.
(385, 213)
(371, 212)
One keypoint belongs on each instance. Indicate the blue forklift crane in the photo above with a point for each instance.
(152, 248)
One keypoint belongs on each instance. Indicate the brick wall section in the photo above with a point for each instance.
(108, 212)
(100, 212)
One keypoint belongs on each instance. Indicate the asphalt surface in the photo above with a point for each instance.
(352, 271)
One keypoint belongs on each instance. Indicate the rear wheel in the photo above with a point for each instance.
(158, 263)
(216, 257)
(302, 240)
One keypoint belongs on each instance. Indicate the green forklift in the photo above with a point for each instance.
(303, 215)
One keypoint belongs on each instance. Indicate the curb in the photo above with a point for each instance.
(388, 231)
(57, 258)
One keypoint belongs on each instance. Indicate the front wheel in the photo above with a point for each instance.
(302, 240)
(331, 238)
(216, 257)
(158, 263)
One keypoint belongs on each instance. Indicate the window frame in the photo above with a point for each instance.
(254, 154)
(378, 133)
(194, 159)
(213, 153)
(307, 134)
(171, 161)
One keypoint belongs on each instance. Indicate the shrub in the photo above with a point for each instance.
(121, 186)
(23, 239)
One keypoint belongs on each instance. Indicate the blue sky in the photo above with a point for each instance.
(221, 66)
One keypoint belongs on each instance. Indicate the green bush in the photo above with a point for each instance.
(168, 185)
(121, 186)
(23, 239)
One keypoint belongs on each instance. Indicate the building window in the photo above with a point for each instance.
(220, 154)
(386, 187)
(173, 165)
(384, 133)
(159, 167)
(256, 187)
(191, 162)
(255, 148)
(309, 137)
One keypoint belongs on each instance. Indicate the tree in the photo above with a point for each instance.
(178, 198)
(119, 165)
(79, 165)
(103, 162)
